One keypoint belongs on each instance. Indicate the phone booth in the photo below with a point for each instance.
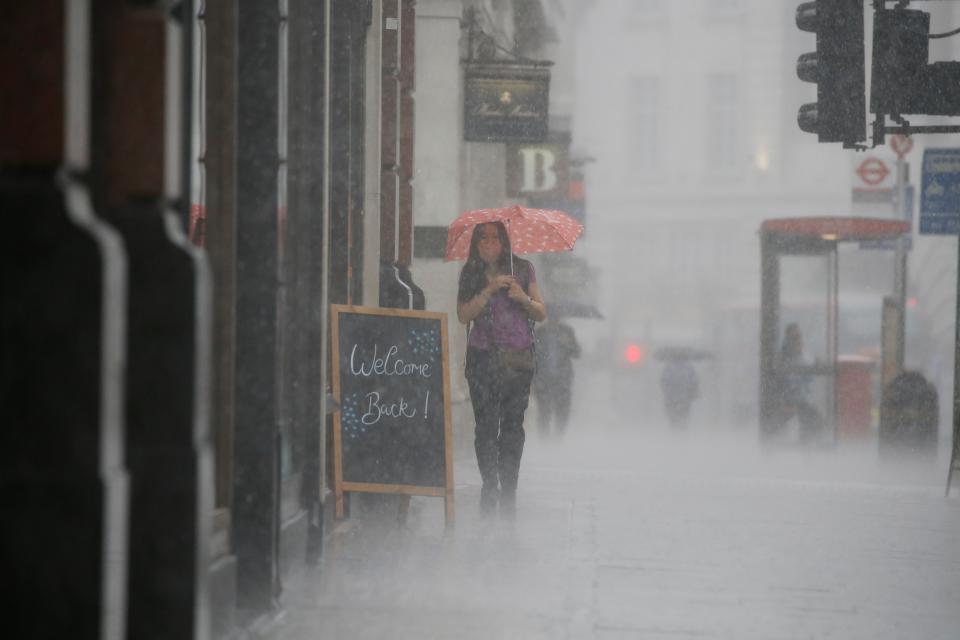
(825, 393)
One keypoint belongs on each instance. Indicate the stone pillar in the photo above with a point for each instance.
(141, 126)
(220, 174)
(256, 436)
(62, 335)
(306, 247)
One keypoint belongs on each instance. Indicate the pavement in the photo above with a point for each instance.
(631, 531)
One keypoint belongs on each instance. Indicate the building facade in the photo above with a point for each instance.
(165, 393)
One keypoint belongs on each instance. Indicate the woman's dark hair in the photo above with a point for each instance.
(473, 275)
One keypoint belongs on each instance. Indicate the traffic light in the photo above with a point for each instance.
(635, 354)
(837, 67)
(902, 81)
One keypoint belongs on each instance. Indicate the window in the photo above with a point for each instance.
(722, 129)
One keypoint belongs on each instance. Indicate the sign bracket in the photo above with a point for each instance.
(881, 129)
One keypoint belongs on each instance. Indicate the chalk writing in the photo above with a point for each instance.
(376, 409)
(389, 365)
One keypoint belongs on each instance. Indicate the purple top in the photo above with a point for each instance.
(504, 322)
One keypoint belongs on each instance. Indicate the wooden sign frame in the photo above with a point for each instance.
(340, 486)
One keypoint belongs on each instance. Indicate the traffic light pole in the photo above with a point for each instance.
(900, 267)
(955, 445)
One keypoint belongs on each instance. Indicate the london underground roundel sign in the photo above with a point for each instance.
(872, 171)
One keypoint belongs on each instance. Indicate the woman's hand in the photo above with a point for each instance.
(467, 311)
(532, 303)
(516, 292)
(501, 282)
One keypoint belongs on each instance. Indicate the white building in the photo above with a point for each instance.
(690, 111)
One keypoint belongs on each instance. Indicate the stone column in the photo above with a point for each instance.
(307, 166)
(141, 122)
(256, 436)
(62, 335)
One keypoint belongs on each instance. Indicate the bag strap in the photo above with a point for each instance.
(523, 274)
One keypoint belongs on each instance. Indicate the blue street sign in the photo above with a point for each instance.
(940, 192)
(906, 214)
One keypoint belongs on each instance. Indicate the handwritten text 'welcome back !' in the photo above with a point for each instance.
(389, 366)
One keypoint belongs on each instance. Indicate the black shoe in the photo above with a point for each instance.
(488, 499)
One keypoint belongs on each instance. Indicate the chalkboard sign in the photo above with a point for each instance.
(392, 431)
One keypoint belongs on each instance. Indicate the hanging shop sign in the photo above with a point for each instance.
(505, 102)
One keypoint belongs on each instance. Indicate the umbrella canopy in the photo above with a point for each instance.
(529, 230)
(665, 354)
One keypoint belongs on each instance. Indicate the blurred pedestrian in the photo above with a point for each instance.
(794, 377)
(499, 298)
(556, 347)
(680, 386)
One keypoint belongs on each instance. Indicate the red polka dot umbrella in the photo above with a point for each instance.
(530, 230)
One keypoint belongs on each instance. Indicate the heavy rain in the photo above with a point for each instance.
(527, 319)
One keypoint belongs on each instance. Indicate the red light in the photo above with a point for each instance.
(911, 302)
(634, 354)
(575, 190)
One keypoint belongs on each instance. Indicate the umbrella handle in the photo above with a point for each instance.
(511, 246)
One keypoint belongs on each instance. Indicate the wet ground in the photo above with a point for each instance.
(630, 531)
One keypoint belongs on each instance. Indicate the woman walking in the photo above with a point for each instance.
(499, 295)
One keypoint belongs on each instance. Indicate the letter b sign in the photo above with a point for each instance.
(536, 170)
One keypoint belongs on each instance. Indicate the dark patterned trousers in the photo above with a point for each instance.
(499, 400)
